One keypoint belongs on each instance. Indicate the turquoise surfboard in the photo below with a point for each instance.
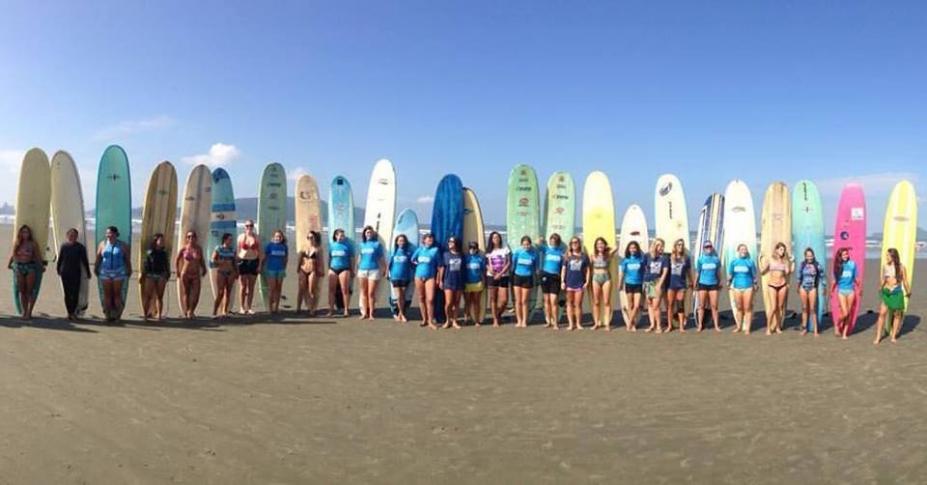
(271, 212)
(113, 204)
(341, 216)
(222, 217)
(808, 232)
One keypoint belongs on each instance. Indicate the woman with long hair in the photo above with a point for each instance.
(309, 272)
(576, 276)
(473, 284)
(779, 268)
(275, 262)
(425, 261)
(742, 281)
(680, 279)
(451, 280)
(156, 271)
(225, 262)
(708, 269)
(340, 270)
(498, 266)
(895, 287)
(400, 274)
(551, 266)
(631, 279)
(250, 257)
(809, 278)
(656, 269)
(26, 262)
(370, 267)
(191, 267)
(73, 268)
(525, 260)
(601, 260)
(113, 268)
(845, 285)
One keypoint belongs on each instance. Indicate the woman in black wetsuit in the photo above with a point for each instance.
(73, 268)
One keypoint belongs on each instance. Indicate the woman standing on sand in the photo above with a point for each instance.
(576, 276)
(340, 270)
(631, 275)
(742, 280)
(656, 272)
(371, 266)
(779, 268)
(400, 274)
(551, 267)
(451, 280)
(525, 260)
(275, 263)
(895, 287)
(310, 273)
(601, 284)
(809, 278)
(425, 261)
(26, 263)
(73, 268)
(113, 268)
(156, 270)
(498, 265)
(680, 279)
(191, 268)
(224, 261)
(473, 283)
(708, 269)
(250, 257)
(845, 285)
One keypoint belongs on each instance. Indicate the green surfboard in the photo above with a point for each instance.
(523, 211)
(114, 205)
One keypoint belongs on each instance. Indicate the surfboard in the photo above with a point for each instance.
(473, 230)
(32, 209)
(341, 216)
(599, 221)
(739, 228)
(633, 228)
(523, 214)
(776, 227)
(67, 210)
(850, 233)
(221, 219)
(113, 205)
(560, 207)
(380, 210)
(272, 204)
(446, 220)
(710, 228)
(900, 231)
(407, 225)
(672, 220)
(808, 232)
(196, 211)
(159, 215)
(308, 212)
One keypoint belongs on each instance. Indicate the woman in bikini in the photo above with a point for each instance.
(250, 256)
(26, 263)
(779, 267)
(895, 287)
(191, 267)
(225, 262)
(601, 285)
(310, 273)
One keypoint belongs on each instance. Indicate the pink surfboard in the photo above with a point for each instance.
(850, 233)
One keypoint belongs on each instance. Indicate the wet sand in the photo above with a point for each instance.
(291, 400)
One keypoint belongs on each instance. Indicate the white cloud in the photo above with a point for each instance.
(425, 199)
(873, 184)
(296, 173)
(127, 128)
(219, 155)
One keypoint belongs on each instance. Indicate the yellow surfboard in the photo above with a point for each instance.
(473, 230)
(32, 208)
(599, 221)
(158, 214)
(900, 228)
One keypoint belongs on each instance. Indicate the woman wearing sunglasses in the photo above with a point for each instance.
(190, 270)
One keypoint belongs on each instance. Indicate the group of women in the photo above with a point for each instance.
(657, 280)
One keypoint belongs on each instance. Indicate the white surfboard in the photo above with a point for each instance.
(672, 220)
(739, 227)
(196, 211)
(380, 210)
(67, 211)
(633, 228)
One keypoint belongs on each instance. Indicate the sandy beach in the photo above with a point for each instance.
(295, 400)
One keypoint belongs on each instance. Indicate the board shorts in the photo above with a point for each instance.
(399, 283)
(113, 274)
(275, 274)
(651, 290)
(474, 287)
(893, 299)
(25, 268)
(846, 292)
(523, 281)
(704, 287)
(456, 286)
(600, 278)
(502, 282)
(630, 288)
(247, 267)
(368, 274)
(157, 277)
(550, 284)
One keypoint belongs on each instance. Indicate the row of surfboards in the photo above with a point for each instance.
(208, 207)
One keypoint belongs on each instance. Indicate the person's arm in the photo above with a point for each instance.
(286, 257)
(588, 272)
(99, 260)
(620, 276)
(440, 277)
(508, 264)
(904, 281)
(563, 272)
(691, 276)
(382, 260)
(730, 274)
(177, 261)
(84, 261)
(58, 263)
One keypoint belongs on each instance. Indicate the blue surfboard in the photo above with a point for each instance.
(341, 216)
(222, 219)
(446, 221)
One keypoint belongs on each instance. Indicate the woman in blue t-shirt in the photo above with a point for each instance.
(809, 274)
(576, 275)
(742, 280)
(845, 285)
(451, 280)
(425, 261)
(275, 261)
(473, 289)
(708, 282)
(225, 262)
(631, 281)
(656, 272)
(400, 274)
(340, 270)
(680, 279)
(551, 264)
(525, 262)
(370, 267)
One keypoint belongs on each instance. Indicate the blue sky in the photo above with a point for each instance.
(707, 90)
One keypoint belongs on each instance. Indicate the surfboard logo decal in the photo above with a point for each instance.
(738, 209)
(844, 235)
(857, 213)
(666, 189)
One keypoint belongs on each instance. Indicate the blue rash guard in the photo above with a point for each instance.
(633, 269)
(742, 272)
(847, 276)
(476, 268)
(340, 254)
(370, 254)
(708, 268)
(276, 254)
(809, 275)
(526, 262)
(426, 262)
(400, 264)
(553, 259)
